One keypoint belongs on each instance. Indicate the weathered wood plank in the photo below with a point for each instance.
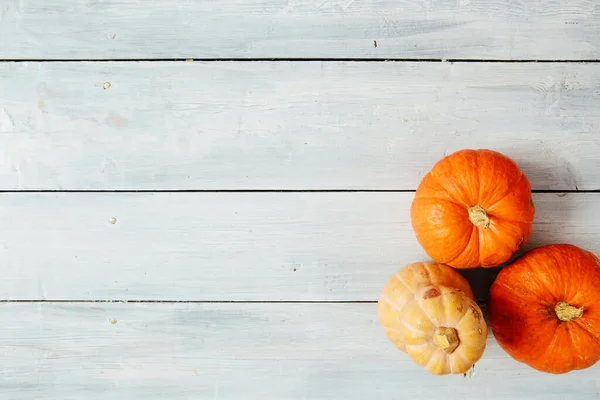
(493, 29)
(281, 125)
(105, 351)
(231, 246)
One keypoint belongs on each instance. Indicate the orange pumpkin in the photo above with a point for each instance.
(544, 309)
(474, 208)
(428, 311)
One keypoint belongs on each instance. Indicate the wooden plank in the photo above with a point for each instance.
(277, 125)
(231, 351)
(493, 29)
(231, 246)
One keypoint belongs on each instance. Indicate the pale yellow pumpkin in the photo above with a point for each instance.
(428, 311)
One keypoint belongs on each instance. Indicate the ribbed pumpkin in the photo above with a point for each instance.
(544, 308)
(428, 311)
(474, 208)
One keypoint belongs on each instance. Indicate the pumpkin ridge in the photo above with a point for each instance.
(410, 327)
(392, 304)
(542, 283)
(434, 283)
(572, 340)
(427, 366)
(515, 293)
(456, 354)
(418, 300)
(443, 187)
(438, 283)
(544, 354)
(508, 191)
(437, 199)
(397, 276)
(535, 277)
(494, 233)
(464, 316)
(497, 218)
(468, 245)
(586, 330)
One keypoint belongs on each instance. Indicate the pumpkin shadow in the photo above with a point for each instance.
(481, 280)
(548, 170)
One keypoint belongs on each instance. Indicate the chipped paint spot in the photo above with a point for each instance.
(117, 121)
(6, 122)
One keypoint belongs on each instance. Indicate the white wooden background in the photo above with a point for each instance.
(202, 199)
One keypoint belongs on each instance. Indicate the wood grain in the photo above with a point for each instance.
(278, 125)
(493, 29)
(232, 246)
(109, 351)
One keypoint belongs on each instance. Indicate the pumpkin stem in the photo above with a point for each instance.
(478, 216)
(566, 312)
(446, 339)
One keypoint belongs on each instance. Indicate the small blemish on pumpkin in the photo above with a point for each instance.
(433, 292)
(476, 313)
(459, 308)
(480, 331)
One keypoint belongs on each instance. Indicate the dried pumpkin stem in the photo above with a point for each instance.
(446, 339)
(566, 312)
(478, 216)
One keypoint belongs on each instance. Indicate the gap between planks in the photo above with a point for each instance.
(201, 301)
(549, 191)
(362, 60)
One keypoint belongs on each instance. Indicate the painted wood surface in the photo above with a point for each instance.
(493, 29)
(286, 125)
(120, 269)
(233, 246)
(103, 351)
